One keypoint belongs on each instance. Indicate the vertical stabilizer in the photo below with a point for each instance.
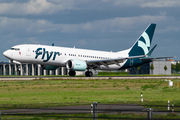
(142, 45)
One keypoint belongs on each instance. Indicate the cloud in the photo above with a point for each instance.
(17, 25)
(161, 3)
(34, 7)
(117, 24)
(168, 29)
(31, 40)
(48, 7)
(142, 3)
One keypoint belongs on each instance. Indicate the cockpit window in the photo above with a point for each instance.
(15, 49)
(12, 49)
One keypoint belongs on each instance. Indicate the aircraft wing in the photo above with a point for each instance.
(107, 62)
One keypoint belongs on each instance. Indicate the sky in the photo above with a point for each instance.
(106, 25)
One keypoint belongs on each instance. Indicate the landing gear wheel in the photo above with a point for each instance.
(72, 73)
(89, 74)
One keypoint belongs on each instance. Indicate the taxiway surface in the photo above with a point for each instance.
(89, 78)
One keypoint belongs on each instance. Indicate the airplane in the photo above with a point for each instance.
(52, 57)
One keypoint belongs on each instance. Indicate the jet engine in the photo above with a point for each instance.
(48, 67)
(76, 65)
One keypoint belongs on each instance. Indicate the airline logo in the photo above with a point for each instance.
(141, 47)
(46, 55)
(145, 43)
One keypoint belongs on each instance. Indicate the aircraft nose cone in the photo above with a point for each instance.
(6, 53)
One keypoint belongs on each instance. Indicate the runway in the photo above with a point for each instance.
(101, 108)
(111, 108)
(89, 78)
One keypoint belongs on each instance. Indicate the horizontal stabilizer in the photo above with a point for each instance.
(164, 57)
(155, 58)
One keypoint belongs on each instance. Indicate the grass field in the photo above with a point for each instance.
(105, 73)
(44, 93)
(86, 91)
(89, 117)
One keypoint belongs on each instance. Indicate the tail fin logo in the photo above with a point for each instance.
(143, 43)
(146, 44)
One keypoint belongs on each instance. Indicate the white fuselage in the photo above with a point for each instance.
(58, 56)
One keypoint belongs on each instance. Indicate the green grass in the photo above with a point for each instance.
(112, 73)
(99, 74)
(83, 91)
(77, 116)
(101, 116)
(47, 93)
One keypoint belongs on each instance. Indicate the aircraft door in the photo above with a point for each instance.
(28, 51)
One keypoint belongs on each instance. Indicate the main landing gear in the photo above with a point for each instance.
(88, 74)
(72, 73)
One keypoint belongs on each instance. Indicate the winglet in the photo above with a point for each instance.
(150, 52)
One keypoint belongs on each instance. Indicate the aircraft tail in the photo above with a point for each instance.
(143, 43)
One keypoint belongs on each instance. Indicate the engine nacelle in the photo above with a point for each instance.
(48, 67)
(76, 65)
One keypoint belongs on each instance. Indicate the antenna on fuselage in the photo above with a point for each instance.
(52, 44)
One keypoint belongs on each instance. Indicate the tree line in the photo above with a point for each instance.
(175, 67)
